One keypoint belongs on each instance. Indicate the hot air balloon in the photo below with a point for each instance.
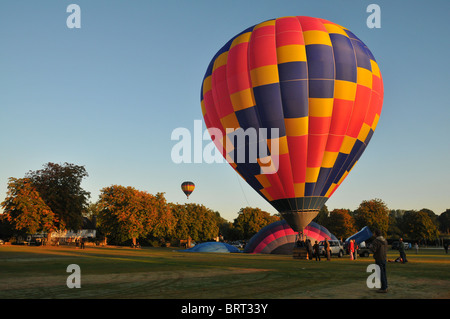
(317, 85)
(187, 188)
(212, 247)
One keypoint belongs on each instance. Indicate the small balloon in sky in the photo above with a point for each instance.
(187, 188)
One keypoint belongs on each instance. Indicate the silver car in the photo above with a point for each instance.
(335, 247)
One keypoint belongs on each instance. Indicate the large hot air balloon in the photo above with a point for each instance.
(313, 81)
(187, 188)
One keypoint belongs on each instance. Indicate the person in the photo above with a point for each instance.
(446, 247)
(316, 250)
(326, 246)
(351, 249)
(416, 247)
(82, 243)
(401, 250)
(355, 254)
(309, 249)
(398, 260)
(379, 250)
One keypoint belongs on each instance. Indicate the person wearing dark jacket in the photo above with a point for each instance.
(379, 250)
(316, 248)
(401, 250)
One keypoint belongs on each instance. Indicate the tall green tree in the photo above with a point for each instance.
(59, 185)
(251, 220)
(418, 225)
(434, 218)
(395, 218)
(195, 221)
(25, 210)
(444, 222)
(341, 223)
(373, 213)
(323, 217)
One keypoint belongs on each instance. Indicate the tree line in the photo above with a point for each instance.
(52, 199)
(422, 226)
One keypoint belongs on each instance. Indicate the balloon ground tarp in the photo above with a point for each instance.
(279, 238)
(212, 247)
(363, 235)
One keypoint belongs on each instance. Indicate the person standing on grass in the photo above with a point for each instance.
(379, 250)
(401, 250)
(309, 249)
(316, 250)
(326, 246)
(352, 249)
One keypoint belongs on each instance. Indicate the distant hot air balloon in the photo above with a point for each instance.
(188, 188)
(315, 82)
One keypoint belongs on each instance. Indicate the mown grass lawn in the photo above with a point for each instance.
(165, 273)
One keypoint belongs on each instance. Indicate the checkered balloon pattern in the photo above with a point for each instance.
(312, 80)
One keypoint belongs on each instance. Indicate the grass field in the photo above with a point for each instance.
(165, 273)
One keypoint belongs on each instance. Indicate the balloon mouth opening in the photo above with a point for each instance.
(299, 219)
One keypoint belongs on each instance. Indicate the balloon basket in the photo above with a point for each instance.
(299, 253)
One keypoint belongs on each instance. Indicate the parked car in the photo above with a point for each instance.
(335, 246)
(396, 244)
(363, 250)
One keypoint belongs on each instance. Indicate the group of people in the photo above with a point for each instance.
(79, 243)
(313, 251)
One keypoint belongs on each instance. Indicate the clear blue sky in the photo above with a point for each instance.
(109, 95)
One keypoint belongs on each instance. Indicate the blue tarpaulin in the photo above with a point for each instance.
(213, 247)
(361, 236)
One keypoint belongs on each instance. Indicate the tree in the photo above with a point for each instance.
(127, 213)
(395, 218)
(444, 221)
(195, 221)
(341, 223)
(374, 214)
(160, 219)
(418, 225)
(119, 216)
(323, 217)
(25, 210)
(60, 188)
(434, 218)
(251, 220)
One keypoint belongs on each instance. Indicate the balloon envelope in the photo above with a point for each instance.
(307, 93)
(187, 188)
(280, 238)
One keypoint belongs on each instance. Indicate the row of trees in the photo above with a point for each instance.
(52, 199)
(422, 225)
